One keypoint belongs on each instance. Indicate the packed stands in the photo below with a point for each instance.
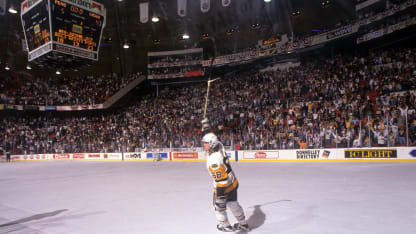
(86, 90)
(343, 101)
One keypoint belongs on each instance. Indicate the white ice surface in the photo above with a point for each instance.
(75, 197)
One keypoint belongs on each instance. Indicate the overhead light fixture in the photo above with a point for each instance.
(12, 10)
(296, 13)
(58, 72)
(267, 0)
(7, 68)
(126, 46)
(28, 67)
(325, 3)
(155, 19)
(185, 36)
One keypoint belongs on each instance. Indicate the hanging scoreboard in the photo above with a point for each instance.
(71, 27)
(36, 27)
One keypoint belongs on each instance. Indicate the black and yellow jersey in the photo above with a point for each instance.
(219, 167)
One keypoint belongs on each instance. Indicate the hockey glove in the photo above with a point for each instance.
(205, 125)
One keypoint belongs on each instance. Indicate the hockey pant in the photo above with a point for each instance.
(228, 200)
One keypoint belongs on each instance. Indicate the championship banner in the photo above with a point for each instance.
(205, 5)
(2, 7)
(182, 8)
(226, 3)
(144, 12)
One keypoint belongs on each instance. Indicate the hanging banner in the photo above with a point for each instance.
(182, 8)
(2, 7)
(205, 5)
(226, 3)
(144, 12)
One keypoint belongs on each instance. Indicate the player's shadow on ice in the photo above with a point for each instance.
(258, 217)
(33, 217)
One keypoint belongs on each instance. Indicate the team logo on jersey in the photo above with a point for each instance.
(213, 166)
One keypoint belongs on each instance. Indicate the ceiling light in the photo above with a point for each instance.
(7, 67)
(58, 72)
(155, 19)
(325, 3)
(296, 13)
(185, 36)
(126, 46)
(267, 0)
(28, 67)
(12, 10)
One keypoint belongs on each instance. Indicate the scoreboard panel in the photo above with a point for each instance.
(76, 29)
(36, 27)
(73, 27)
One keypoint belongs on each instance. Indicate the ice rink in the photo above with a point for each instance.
(86, 197)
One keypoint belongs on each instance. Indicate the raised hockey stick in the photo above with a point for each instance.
(209, 77)
(207, 95)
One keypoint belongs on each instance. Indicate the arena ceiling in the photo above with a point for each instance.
(239, 25)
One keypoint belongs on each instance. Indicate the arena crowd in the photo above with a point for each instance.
(62, 90)
(344, 101)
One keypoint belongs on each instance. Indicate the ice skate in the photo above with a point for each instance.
(242, 227)
(225, 228)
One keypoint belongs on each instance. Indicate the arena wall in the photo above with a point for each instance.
(404, 154)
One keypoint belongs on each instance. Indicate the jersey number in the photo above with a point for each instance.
(216, 174)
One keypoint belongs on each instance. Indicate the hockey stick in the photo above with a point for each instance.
(207, 95)
(209, 78)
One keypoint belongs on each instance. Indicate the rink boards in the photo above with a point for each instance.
(356, 154)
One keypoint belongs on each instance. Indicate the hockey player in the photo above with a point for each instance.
(225, 185)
